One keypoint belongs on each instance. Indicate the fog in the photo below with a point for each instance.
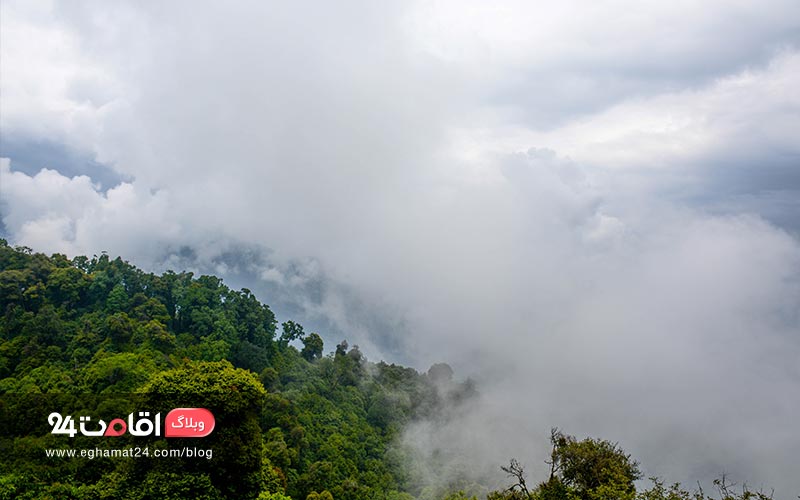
(592, 209)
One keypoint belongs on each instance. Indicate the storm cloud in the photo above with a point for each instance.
(591, 208)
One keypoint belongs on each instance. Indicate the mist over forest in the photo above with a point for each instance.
(588, 212)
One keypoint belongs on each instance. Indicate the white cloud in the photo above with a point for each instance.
(54, 213)
(677, 128)
(51, 88)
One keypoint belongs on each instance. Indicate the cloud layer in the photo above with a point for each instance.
(591, 208)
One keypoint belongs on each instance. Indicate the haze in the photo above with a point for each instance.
(591, 208)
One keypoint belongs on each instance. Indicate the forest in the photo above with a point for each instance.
(97, 336)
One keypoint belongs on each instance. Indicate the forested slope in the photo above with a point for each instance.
(112, 336)
(97, 336)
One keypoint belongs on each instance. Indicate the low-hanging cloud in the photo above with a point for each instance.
(591, 215)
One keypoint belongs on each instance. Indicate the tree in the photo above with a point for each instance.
(324, 495)
(724, 488)
(590, 469)
(312, 347)
(516, 471)
(177, 486)
(67, 286)
(291, 331)
(117, 300)
(440, 373)
(272, 496)
(234, 396)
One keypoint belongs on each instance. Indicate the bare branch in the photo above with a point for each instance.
(516, 471)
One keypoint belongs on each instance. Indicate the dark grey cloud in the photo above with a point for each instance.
(29, 155)
(766, 184)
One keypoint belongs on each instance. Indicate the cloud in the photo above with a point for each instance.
(31, 155)
(546, 64)
(55, 213)
(52, 89)
(588, 208)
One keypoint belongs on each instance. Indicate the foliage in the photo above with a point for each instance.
(235, 397)
(312, 347)
(97, 336)
(725, 491)
(590, 469)
(600, 470)
(99, 326)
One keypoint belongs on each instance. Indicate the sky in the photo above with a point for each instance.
(590, 208)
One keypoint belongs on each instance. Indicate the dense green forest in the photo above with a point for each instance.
(97, 336)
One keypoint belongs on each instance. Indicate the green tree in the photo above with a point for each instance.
(117, 300)
(323, 495)
(312, 347)
(264, 495)
(235, 397)
(175, 486)
(291, 331)
(593, 469)
(67, 286)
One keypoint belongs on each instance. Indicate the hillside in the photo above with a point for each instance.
(100, 330)
(98, 337)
